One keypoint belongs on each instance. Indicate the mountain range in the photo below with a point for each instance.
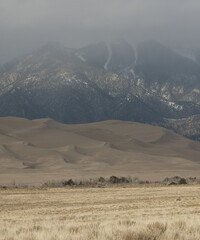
(148, 83)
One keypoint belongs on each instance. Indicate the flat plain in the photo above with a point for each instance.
(112, 213)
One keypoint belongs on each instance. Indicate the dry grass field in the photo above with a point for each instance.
(112, 213)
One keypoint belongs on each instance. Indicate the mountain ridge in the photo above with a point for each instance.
(101, 82)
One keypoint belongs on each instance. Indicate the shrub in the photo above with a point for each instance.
(101, 179)
(124, 180)
(70, 182)
(114, 179)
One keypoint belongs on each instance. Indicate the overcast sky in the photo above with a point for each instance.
(27, 24)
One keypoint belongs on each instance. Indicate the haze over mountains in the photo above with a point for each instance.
(34, 151)
(147, 83)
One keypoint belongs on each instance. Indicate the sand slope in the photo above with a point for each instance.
(39, 150)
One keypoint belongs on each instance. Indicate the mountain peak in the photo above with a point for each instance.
(113, 56)
(51, 45)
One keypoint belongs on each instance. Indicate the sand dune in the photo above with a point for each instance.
(39, 150)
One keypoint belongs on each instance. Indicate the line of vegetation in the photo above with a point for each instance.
(107, 182)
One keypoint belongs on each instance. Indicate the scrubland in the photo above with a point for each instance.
(111, 213)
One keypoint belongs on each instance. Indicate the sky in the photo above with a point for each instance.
(27, 24)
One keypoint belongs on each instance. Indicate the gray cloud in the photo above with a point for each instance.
(26, 24)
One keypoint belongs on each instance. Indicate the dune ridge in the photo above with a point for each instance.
(33, 151)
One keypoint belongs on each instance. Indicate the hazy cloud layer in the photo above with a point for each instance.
(26, 24)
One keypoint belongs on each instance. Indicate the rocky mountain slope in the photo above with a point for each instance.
(148, 83)
(189, 127)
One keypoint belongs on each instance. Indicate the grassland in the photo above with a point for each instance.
(112, 213)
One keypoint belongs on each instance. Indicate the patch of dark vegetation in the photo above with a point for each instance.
(94, 182)
(21, 186)
(63, 183)
(121, 181)
(70, 182)
(108, 182)
(178, 180)
(114, 179)
(102, 180)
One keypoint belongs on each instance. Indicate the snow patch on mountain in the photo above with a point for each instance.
(128, 97)
(133, 73)
(187, 53)
(195, 90)
(81, 57)
(109, 57)
(173, 105)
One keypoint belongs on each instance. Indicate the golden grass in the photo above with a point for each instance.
(117, 213)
